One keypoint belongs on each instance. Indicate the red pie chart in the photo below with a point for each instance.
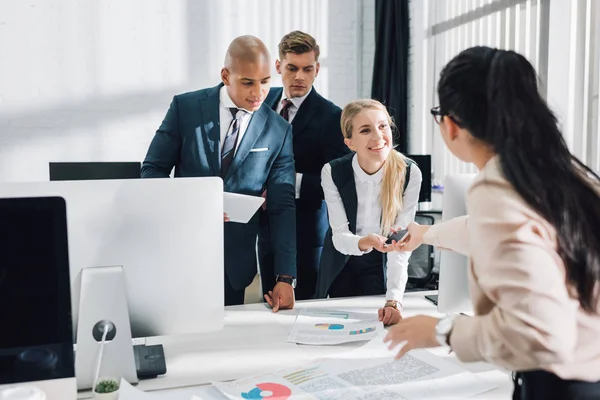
(272, 391)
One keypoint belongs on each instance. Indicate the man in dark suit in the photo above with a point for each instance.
(227, 131)
(317, 139)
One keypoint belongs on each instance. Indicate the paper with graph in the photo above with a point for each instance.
(418, 375)
(327, 327)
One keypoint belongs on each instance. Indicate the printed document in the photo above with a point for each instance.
(327, 327)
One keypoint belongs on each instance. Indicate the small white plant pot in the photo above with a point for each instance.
(106, 396)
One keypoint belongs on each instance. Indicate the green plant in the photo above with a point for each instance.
(107, 386)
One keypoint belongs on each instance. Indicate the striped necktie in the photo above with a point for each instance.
(228, 150)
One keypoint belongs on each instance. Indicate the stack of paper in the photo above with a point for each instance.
(327, 327)
(128, 392)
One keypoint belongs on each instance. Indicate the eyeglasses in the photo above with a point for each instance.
(437, 114)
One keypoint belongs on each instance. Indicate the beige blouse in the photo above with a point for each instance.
(525, 317)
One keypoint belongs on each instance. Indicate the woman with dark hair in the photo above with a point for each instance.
(532, 234)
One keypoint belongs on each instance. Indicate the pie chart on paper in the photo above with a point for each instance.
(273, 391)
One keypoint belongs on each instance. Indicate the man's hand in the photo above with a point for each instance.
(389, 315)
(281, 297)
(225, 217)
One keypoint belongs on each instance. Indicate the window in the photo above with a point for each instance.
(443, 28)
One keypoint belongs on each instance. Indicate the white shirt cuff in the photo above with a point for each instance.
(298, 184)
(395, 294)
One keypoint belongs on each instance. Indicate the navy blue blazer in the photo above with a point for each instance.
(317, 140)
(188, 139)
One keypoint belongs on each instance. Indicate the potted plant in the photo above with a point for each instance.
(106, 389)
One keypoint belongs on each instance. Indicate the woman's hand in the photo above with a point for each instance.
(372, 241)
(416, 333)
(389, 315)
(414, 238)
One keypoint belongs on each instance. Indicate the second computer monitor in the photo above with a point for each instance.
(85, 171)
(453, 293)
(36, 341)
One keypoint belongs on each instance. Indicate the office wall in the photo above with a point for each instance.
(92, 79)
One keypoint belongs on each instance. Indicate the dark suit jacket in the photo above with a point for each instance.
(188, 139)
(317, 140)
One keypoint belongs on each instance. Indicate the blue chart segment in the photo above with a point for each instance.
(331, 327)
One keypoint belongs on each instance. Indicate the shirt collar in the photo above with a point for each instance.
(226, 99)
(362, 176)
(296, 101)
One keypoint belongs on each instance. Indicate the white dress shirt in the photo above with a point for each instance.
(368, 219)
(292, 111)
(225, 118)
(296, 103)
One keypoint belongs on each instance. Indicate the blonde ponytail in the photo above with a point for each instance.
(394, 176)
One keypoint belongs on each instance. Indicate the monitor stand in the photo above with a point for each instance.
(103, 303)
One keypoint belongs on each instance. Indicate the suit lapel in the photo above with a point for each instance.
(274, 97)
(212, 128)
(305, 113)
(255, 128)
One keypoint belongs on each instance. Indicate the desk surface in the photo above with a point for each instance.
(254, 340)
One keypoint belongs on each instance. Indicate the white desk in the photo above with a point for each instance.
(254, 340)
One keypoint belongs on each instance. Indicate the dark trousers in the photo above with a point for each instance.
(311, 226)
(233, 297)
(543, 385)
(361, 276)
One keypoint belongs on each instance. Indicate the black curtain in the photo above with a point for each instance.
(390, 69)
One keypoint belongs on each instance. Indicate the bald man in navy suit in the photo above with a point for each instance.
(228, 131)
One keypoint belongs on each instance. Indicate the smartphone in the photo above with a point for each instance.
(397, 236)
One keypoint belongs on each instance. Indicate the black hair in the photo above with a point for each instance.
(494, 95)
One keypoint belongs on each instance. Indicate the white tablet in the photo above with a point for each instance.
(240, 207)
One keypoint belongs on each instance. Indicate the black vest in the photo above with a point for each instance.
(332, 261)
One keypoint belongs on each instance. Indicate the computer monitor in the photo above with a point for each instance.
(155, 245)
(85, 171)
(453, 291)
(424, 163)
(35, 303)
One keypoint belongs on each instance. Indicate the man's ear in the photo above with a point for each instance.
(349, 144)
(317, 69)
(278, 66)
(225, 76)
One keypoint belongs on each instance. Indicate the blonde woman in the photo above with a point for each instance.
(369, 194)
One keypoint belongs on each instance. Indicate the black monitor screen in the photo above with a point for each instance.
(36, 339)
(424, 163)
(86, 171)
